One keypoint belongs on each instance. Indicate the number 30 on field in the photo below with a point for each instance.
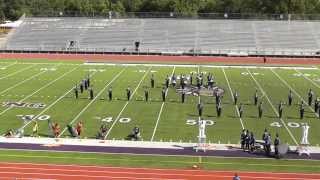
(290, 124)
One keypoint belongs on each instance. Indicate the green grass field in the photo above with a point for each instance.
(51, 83)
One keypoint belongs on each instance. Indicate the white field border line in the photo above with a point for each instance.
(18, 84)
(124, 107)
(15, 178)
(92, 101)
(16, 72)
(274, 109)
(80, 175)
(236, 106)
(163, 173)
(307, 78)
(192, 65)
(155, 169)
(48, 107)
(162, 105)
(284, 82)
(43, 87)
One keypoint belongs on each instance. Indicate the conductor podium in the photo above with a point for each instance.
(201, 145)
(303, 148)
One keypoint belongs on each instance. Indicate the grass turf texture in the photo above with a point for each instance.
(35, 82)
(172, 162)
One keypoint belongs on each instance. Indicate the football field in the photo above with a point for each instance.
(33, 91)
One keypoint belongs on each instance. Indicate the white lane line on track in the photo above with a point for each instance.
(43, 87)
(93, 100)
(307, 78)
(48, 107)
(293, 90)
(130, 172)
(274, 109)
(16, 72)
(236, 106)
(158, 169)
(124, 107)
(161, 109)
(79, 176)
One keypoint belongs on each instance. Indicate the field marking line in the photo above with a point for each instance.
(75, 166)
(16, 72)
(203, 65)
(109, 171)
(92, 101)
(150, 172)
(80, 175)
(290, 87)
(43, 87)
(124, 107)
(162, 105)
(274, 109)
(307, 78)
(21, 82)
(11, 64)
(230, 89)
(48, 107)
(147, 154)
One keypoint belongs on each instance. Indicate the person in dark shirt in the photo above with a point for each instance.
(290, 98)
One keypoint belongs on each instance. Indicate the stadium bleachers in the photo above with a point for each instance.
(163, 35)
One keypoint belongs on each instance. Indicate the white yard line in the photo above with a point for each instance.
(231, 92)
(124, 107)
(48, 107)
(160, 112)
(16, 72)
(18, 84)
(12, 64)
(43, 87)
(274, 109)
(93, 100)
(307, 78)
(204, 65)
(284, 82)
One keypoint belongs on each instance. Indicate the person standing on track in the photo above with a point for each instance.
(236, 177)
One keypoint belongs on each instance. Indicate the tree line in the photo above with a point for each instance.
(13, 9)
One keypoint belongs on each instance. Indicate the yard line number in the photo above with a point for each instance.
(121, 120)
(290, 124)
